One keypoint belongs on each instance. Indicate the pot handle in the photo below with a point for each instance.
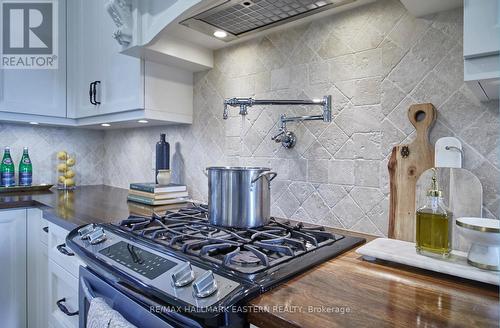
(266, 174)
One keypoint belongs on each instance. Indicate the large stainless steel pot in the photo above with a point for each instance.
(239, 197)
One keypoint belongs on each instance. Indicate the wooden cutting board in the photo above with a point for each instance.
(406, 164)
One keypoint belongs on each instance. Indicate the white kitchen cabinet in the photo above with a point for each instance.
(37, 269)
(123, 84)
(13, 272)
(94, 56)
(63, 279)
(127, 89)
(60, 253)
(63, 289)
(481, 28)
(37, 91)
(482, 47)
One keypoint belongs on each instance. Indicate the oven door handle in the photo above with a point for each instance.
(87, 290)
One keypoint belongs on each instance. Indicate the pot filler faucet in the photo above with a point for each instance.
(285, 137)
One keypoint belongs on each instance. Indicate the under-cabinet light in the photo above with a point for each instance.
(220, 34)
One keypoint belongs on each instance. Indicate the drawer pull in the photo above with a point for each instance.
(64, 309)
(62, 249)
(46, 229)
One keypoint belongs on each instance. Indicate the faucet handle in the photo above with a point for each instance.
(275, 137)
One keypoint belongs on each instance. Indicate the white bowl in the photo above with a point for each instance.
(484, 234)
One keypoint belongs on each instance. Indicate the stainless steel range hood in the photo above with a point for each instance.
(239, 18)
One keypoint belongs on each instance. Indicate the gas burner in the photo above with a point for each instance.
(245, 258)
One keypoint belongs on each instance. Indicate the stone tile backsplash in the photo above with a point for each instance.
(44, 142)
(375, 61)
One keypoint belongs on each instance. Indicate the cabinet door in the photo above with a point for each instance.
(63, 288)
(59, 252)
(122, 84)
(37, 91)
(37, 274)
(13, 272)
(84, 58)
(481, 28)
(93, 55)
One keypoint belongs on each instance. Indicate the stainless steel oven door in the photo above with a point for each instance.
(91, 286)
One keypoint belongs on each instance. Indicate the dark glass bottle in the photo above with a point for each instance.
(162, 155)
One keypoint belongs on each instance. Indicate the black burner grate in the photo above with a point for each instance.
(242, 250)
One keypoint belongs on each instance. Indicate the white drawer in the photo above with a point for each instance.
(62, 285)
(60, 253)
(43, 231)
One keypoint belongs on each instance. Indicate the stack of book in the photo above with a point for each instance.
(155, 194)
(148, 210)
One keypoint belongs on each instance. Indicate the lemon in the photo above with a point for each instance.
(69, 182)
(62, 167)
(70, 161)
(62, 155)
(61, 179)
(69, 174)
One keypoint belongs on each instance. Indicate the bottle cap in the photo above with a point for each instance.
(434, 189)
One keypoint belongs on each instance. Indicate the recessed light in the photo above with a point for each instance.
(142, 121)
(220, 34)
(105, 124)
(34, 123)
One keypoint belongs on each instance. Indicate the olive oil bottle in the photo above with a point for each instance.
(434, 224)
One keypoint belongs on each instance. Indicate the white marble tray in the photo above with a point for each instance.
(403, 252)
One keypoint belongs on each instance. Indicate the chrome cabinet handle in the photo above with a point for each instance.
(270, 175)
(63, 250)
(64, 309)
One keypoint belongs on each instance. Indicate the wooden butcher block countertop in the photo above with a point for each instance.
(348, 291)
(343, 292)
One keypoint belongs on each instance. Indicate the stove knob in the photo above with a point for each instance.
(86, 230)
(183, 276)
(97, 236)
(205, 285)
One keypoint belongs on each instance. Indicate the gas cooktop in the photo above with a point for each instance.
(184, 261)
(242, 250)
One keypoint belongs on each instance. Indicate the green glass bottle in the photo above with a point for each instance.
(7, 171)
(25, 169)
